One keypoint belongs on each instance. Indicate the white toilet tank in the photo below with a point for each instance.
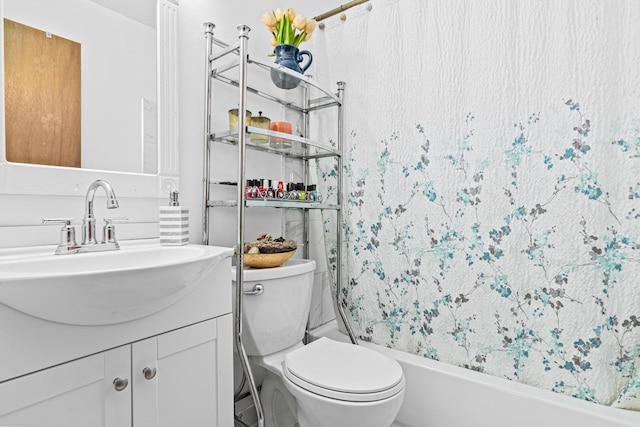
(275, 319)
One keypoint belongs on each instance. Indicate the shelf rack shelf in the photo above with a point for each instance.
(301, 148)
(269, 203)
(329, 99)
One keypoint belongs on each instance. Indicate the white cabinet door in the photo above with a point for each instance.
(192, 384)
(80, 393)
(180, 378)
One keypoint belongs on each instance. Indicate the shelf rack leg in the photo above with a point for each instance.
(242, 124)
(339, 224)
(206, 173)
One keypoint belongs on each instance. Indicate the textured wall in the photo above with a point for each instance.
(493, 195)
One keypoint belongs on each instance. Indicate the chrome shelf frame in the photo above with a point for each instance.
(234, 72)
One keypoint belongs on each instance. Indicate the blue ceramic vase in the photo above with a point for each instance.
(288, 55)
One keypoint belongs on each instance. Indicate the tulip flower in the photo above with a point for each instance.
(269, 20)
(310, 27)
(291, 13)
(300, 22)
(278, 13)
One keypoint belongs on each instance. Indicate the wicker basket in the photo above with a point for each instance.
(267, 260)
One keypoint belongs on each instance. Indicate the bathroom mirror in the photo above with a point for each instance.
(128, 101)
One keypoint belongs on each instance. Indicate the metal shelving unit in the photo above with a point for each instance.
(234, 72)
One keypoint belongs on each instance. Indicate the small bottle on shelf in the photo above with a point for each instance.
(280, 191)
(312, 193)
(300, 189)
(270, 192)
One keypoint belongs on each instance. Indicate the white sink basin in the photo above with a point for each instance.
(102, 288)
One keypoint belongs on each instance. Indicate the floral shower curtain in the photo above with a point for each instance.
(492, 186)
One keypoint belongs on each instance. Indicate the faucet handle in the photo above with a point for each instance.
(116, 220)
(65, 221)
(109, 230)
(67, 232)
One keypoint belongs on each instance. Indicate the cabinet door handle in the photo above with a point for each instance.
(149, 373)
(120, 383)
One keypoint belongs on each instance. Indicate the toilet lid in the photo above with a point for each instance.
(343, 371)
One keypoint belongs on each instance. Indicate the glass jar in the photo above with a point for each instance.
(233, 118)
(260, 122)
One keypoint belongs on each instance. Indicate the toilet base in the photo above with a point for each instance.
(282, 410)
(287, 405)
(318, 411)
(278, 404)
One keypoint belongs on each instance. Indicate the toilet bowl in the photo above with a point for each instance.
(324, 383)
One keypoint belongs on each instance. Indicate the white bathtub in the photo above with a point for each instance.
(441, 395)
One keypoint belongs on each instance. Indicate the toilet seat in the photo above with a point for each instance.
(343, 371)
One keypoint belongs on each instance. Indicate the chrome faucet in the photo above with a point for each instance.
(89, 221)
(89, 243)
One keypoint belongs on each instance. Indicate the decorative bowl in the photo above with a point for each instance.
(267, 260)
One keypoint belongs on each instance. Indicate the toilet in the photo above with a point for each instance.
(325, 383)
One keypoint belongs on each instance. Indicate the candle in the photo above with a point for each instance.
(283, 127)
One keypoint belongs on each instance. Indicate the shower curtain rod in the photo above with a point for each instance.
(339, 9)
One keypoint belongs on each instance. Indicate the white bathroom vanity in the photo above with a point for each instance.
(165, 359)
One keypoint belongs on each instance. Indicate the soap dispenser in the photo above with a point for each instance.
(174, 223)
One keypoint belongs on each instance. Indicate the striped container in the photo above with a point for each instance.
(174, 225)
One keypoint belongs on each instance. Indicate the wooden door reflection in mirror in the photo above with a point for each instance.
(42, 97)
